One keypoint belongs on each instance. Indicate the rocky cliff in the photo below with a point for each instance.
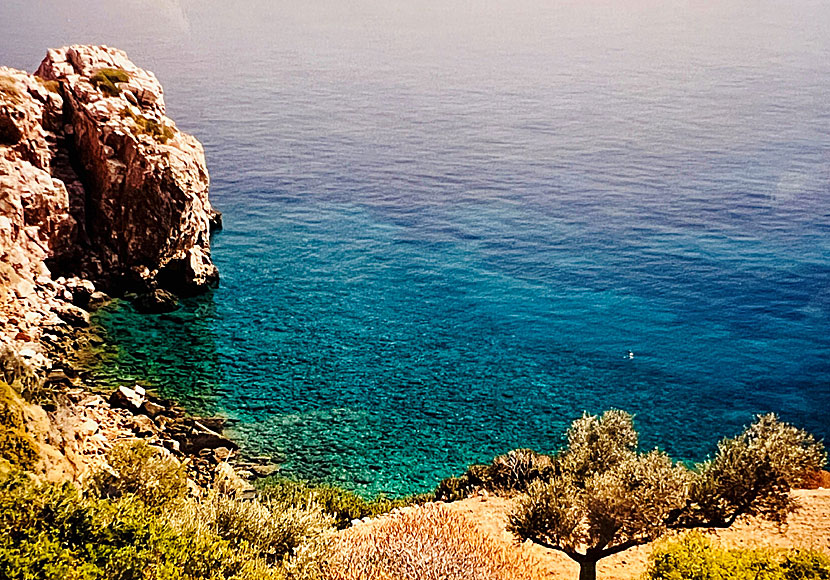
(98, 191)
(97, 186)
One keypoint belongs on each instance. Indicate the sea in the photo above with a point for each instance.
(451, 227)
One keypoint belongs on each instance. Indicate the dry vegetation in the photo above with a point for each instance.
(10, 89)
(428, 542)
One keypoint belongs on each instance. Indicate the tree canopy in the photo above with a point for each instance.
(605, 495)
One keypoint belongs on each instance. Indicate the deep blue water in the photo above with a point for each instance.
(446, 223)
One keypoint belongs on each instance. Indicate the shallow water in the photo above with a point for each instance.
(446, 223)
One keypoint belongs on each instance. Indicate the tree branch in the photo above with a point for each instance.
(573, 555)
(621, 547)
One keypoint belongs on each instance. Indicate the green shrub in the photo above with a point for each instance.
(272, 532)
(105, 79)
(52, 532)
(17, 447)
(343, 505)
(693, 557)
(806, 565)
(512, 472)
(44, 526)
(144, 126)
(143, 471)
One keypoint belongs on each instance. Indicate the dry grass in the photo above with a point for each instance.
(50, 85)
(427, 542)
(10, 89)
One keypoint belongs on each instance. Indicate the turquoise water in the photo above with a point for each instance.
(447, 223)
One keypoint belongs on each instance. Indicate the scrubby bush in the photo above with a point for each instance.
(694, 557)
(512, 472)
(106, 78)
(10, 89)
(273, 531)
(141, 470)
(343, 505)
(42, 525)
(50, 85)
(144, 126)
(17, 447)
(53, 532)
(427, 542)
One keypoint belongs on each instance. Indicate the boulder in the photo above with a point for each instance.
(200, 437)
(126, 398)
(143, 426)
(198, 440)
(71, 314)
(156, 302)
(152, 409)
(80, 290)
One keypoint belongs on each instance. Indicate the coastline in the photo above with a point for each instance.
(99, 191)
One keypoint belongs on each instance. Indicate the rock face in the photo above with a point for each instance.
(95, 181)
(148, 213)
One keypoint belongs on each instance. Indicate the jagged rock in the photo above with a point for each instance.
(97, 299)
(152, 409)
(148, 183)
(102, 189)
(200, 437)
(199, 440)
(71, 314)
(143, 426)
(156, 302)
(81, 291)
(143, 183)
(126, 398)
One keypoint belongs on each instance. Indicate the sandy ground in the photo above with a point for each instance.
(807, 528)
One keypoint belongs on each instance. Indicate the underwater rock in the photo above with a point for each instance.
(156, 302)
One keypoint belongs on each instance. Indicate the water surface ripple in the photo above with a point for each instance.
(446, 223)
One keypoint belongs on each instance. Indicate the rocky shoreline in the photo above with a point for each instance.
(100, 195)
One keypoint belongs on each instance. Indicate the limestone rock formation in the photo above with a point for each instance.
(95, 181)
(149, 216)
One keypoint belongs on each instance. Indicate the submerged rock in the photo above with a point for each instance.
(156, 302)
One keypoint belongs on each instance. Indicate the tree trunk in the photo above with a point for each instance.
(588, 570)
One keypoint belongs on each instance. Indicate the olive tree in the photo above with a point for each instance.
(606, 496)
